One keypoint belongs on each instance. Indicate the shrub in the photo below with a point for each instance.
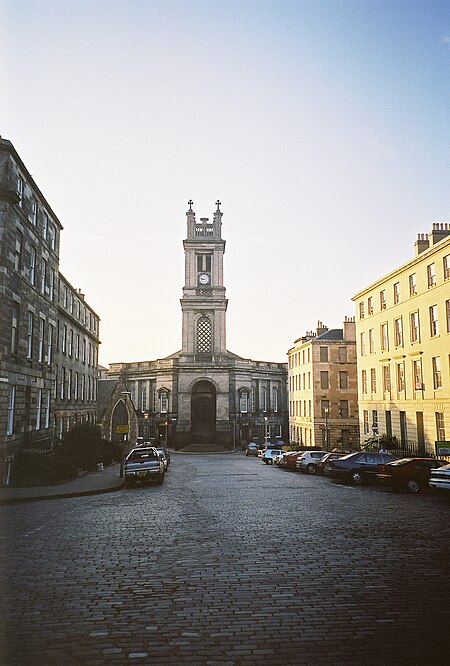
(37, 469)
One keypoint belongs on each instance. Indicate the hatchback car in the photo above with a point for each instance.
(357, 467)
(410, 474)
(308, 460)
(269, 454)
(440, 478)
(252, 449)
(290, 459)
(143, 464)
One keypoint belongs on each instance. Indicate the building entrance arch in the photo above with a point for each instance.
(203, 413)
(119, 418)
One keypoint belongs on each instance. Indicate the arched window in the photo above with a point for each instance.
(163, 401)
(275, 399)
(204, 335)
(264, 400)
(243, 402)
(144, 400)
(253, 399)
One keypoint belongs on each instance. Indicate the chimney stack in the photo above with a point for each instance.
(349, 329)
(422, 243)
(438, 232)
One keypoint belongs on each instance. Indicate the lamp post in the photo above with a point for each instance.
(265, 431)
(326, 410)
(126, 394)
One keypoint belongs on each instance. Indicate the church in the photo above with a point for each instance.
(203, 397)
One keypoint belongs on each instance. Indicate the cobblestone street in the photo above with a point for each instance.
(230, 562)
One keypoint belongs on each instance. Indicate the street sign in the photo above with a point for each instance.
(442, 449)
(123, 429)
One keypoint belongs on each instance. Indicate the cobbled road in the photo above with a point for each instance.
(228, 562)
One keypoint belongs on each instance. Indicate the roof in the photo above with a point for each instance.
(332, 334)
(105, 389)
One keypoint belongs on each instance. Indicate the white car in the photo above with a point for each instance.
(308, 460)
(440, 478)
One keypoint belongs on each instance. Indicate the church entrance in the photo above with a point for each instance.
(119, 423)
(203, 413)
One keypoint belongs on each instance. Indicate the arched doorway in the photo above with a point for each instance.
(203, 413)
(119, 418)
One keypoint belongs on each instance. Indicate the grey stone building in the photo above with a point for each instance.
(202, 396)
(31, 315)
(76, 360)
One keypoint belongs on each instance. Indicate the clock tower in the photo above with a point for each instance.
(204, 303)
(204, 397)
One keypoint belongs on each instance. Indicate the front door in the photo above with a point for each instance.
(203, 413)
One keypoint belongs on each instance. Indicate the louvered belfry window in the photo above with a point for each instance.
(204, 335)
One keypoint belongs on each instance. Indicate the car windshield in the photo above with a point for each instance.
(142, 456)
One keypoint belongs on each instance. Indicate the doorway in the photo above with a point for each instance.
(203, 413)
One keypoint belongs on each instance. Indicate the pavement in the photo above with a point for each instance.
(90, 483)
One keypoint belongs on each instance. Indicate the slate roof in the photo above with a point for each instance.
(332, 334)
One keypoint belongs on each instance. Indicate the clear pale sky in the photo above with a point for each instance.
(323, 127)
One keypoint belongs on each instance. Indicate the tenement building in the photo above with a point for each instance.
(34, 321)
(323, 394)
(76, 360)
(202, 396)
(403, 347)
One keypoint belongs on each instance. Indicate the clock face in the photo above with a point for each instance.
(203, 278)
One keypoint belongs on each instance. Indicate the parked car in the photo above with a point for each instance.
(252, 449)
(410, 474)
(321, 465)
(357, 467)
(164, 455)
(440, 478)
(269, 454)
(143, 464)
(278, 459)
(308, 460)
(290, 459)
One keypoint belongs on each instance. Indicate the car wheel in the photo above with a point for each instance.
(356, 477)
(311, 469)
(413, 486)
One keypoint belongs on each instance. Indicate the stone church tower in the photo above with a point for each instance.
(204, 383)
(202, 397)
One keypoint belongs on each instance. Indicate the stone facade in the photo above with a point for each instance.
(204, 396)
(403, 346)
(323, 394)
(30, 325)
(76, 360)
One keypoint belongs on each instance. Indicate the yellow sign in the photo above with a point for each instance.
(123, 429)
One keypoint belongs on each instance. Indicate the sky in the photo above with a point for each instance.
(322, 126)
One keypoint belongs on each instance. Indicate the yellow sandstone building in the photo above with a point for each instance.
(323, 396)
(403, 349)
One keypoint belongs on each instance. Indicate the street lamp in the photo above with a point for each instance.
(126, 394)
(265, 431)
(326, 410)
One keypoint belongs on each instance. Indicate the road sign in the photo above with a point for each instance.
(123, 429)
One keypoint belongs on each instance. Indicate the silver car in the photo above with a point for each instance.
(143, 464)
